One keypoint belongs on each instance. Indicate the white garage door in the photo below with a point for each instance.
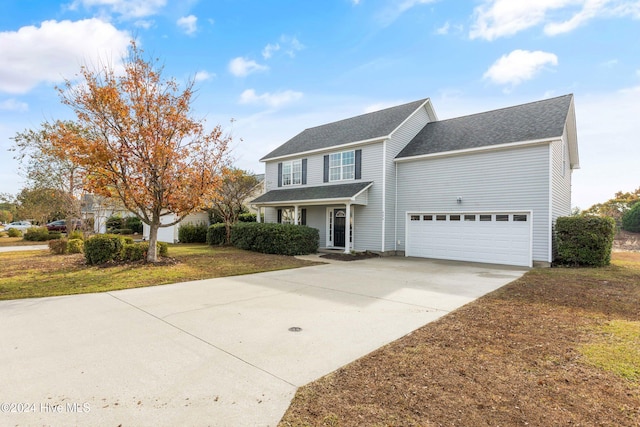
(496, 238)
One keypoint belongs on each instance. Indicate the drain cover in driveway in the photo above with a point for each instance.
(295, 329)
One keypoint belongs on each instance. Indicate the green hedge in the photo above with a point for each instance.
(216, 234)
(133, 223)
(14, 232)
(584, 240)
(282, 239)
(75, 246)
(247, 217)
(631, 219)
(103, 248)
(192, 233)
(41, 234)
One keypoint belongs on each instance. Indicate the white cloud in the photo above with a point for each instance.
(125, 8)
(56, 50)
(501, 18)
(277, 99)
(203, 75)
(189, 24)
(444, 30)
(14, 105)
(144, 23)
(241, 67)
(518, 66)
(269, 49)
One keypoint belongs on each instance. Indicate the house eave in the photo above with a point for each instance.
(325, 149)
(488, 148)
(315, 202)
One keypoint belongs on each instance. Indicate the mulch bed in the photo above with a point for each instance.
(350, 257)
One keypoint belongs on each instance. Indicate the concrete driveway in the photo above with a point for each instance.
(215, 352)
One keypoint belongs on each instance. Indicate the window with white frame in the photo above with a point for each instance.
(342, 166)
(292, 172)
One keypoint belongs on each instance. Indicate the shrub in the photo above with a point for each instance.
(631, 219)
(282, 239)
(114, 222)
(58, 247)
(134, 224)
(53, 235)
(122, 231)
(135, 251)
(74, 246)
(163, 248)
(584, 240)
(247, 217)
(36, 234)
(14, 232)
(102, 248)
(217, 234)
(75, 234)
(192, 233)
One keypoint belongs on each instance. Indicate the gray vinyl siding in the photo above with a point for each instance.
(561, 187)
(507, 180)
(395, 144)
(317, 218)
(271, 176)
(367, 219)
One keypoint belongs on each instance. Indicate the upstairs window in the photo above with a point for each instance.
(342, 166)
(291, 173)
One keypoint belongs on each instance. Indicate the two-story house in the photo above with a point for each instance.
(485, 187)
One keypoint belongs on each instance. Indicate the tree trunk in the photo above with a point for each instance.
(152, 254)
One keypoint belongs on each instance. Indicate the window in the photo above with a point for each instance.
(342, 166)
(520, 218)
(427, 217)
(292, 172)
(415, 217)
(454, 217)
(441, 217)
(485, 217)
(287, 215)
(502, 217)
(469, 217)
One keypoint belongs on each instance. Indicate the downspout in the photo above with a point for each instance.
(395, 222)
(384, 190)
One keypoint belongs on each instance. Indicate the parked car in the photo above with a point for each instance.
(61, 225)
(18, 225)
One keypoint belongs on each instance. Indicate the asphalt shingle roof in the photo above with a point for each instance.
(526, 122)
(360, 128)
(338, 191)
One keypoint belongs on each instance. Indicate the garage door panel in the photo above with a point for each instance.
(499, 242)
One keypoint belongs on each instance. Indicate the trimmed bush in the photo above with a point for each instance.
(36, 234)
(133, 223)
(192, 233)
(75, 234)
(135, 251)
(58, 247)
(217, 234)
(163, 248)
(631, 219)
(115, 222)
(53, 235)
(281, 239)
(75, 246)
(247, 217)
(103, 248)
(584, 240)
(122, 231)
(14, 232)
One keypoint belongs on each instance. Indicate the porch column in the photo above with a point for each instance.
(295, 214)
(258, 218)
(347, 227)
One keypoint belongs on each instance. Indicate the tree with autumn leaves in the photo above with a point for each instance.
(136, 140)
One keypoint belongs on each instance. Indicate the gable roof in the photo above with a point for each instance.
(527, 122)
(370, 126)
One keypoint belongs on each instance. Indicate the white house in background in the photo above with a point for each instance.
(486, 187)
(170, 234)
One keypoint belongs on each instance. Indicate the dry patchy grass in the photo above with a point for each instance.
(547, 349)
(38, 273)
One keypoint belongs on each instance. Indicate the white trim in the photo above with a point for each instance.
(496, 147)
(550, 205)
(349, 239)
(327, 149)
(468, 212)
(341, 200)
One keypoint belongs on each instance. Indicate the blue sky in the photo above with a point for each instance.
(266, 70)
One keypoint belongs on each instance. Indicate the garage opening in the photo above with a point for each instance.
(495, 238)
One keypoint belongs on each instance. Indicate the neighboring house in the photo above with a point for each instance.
(258, 190)
(99, 209)
(170, 234)
(486, 187)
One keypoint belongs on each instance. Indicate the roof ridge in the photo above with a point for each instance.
(505, 108)
(370, 113)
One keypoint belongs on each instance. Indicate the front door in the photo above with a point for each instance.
(339, 216)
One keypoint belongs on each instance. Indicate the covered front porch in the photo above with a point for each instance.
(329, 208)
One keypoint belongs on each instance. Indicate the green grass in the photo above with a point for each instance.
(31, 274)
(617, 350)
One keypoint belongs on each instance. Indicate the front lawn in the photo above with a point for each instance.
(38, 273)
(559, 346)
